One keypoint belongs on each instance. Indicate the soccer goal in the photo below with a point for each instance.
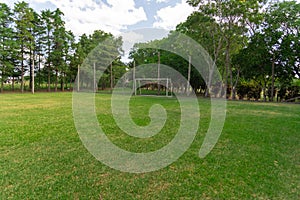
(153, 86)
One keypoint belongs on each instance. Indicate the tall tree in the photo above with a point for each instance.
(207, 32)
(39, 32)
(273, 47)
(254, 61)
(59, 38)
(36, 32)
(7, 44)
(233, 17)
(47, 19)
(281, 30)
(23, 19)
(100, 50)
(67, 69)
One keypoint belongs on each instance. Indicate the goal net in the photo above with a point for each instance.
(153, 86)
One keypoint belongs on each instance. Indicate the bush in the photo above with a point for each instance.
(248, 90)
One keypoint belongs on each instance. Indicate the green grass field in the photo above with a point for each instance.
(42, 157)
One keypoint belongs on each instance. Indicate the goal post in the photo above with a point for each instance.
(140, 83)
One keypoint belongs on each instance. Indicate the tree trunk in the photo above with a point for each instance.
(22, 69)
(158, 74)
(71, 86)
(189, 77)
(49, 75)
(111, 78)
(94, 81)
(227, 64)
(234, 92)
(2, 83)
(235, 84)
(273, 79)
(32, 76)
(2, 73)
(30, 69)
(22, 77)
(78, 79)
(56, 79)
(39, 71)
(264, 93)
(231, 84)
(63, 82)
(206, 91)
(49, 78)
(13, 84)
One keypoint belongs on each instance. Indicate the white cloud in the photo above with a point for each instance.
(140, 36)
(132, 37)
(169, 17)
(129, 39)
(85, 16)
(7, 2)
(162, 1)
(159, 1)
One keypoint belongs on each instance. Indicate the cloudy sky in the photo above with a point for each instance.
(115, 16)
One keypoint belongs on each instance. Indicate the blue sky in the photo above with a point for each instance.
(115, 16)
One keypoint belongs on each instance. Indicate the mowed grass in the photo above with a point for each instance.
(42, 157)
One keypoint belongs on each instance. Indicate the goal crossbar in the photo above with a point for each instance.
(168, 86)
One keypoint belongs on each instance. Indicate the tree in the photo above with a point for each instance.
(233, 16)
(281, 27)
(254, 61)
(59, 45)
(143, 53)
(47, 19)
(7, 44)
(69, 52)
(207, 32)
(27, 37)
(39, 32)
(271, 55)
(36, 31)
(23, 19)
(100, 50)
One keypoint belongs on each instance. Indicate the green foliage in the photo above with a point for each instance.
(282, 28)
(275, 44)
(249, 90)
(235, 19)
(23, 19)
(28, 38)
(251, 40)
(144, 54)
(7, 44)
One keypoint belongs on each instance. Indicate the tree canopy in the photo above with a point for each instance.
(40, 42)
(254, 44)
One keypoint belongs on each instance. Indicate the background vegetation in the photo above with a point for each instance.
(255, 45)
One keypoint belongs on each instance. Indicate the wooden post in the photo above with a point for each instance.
(158, 73)
(32, 75)
(134, 81)
(189, 77)
(95, 77)
(167, 88)
(78, 79)
(273, 78)
(111, 78)
(140, 87)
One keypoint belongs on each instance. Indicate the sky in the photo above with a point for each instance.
(115, 16)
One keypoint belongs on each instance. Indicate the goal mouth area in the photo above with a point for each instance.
(153, 87)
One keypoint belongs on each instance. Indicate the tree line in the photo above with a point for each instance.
(38, 44)
(254, 44)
